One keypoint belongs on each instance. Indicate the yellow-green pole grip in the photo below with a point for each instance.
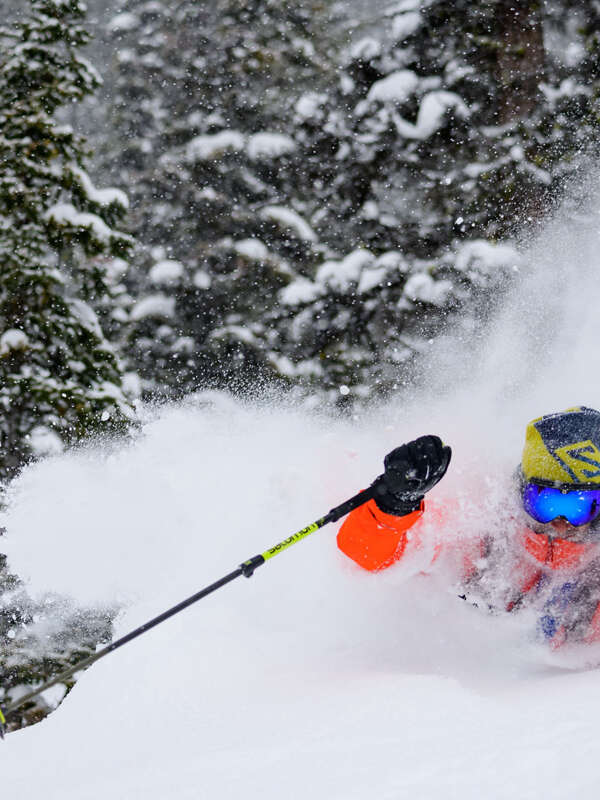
(295, 537)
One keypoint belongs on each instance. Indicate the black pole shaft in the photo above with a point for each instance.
(354, 502)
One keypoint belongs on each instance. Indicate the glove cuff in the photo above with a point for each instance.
(399, 507)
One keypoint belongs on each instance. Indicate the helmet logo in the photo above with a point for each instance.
(581, 460)
(564, 448)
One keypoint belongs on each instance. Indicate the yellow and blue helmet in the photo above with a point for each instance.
(563, 450)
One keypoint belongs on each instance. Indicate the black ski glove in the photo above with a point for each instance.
(411, 470)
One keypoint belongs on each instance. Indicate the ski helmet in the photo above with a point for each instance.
(563, 449)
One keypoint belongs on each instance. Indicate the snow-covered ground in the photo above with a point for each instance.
(312, 679)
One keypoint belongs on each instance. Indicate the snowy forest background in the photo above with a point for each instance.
(261, 197)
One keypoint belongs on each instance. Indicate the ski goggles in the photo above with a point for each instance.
(577, 506)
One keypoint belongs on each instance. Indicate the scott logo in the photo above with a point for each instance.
(581, 461)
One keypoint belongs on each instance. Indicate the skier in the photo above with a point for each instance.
(552, 554)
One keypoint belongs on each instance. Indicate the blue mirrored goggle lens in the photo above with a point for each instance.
(545, 504)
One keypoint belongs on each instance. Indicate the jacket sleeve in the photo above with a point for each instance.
(373, 539)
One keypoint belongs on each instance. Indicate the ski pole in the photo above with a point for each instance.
(246, 569)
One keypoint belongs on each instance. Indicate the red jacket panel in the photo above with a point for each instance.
(375, 541)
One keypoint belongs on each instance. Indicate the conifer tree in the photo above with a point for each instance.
(211, 158)
(60, 380)
(453, 127)
(382, 204)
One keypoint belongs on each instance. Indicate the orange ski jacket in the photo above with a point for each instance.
(376, 540)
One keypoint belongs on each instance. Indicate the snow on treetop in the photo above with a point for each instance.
(13, 339)
(392, 260)
(64, 130)
(366, 49)
(567, 88)
(90, 69)
(299, 292)
(288, 218)
(305, 46)
(87, 316)
(251, 248)
(184, 344)
(370, 210)
(115, 269)
(475, 169)
(269, 145)
(404, 25)
(207, 193)
(307, 368)
(431, 115)
(517, 153)
(309, 104)
(574, 53)
(214, 145)
(359, 267)
(239, 332)
(166, 271)
(456, 69)
(123, 22)
(339, 274)
(404, 6)
(157, 7)
(486, 257)
(258, 146)
(106, 390)
(202, 279)
(102, 197)
(396, 87)
(79, 6)
(65, 214)
(126, 55)
(371, 278)
(155, 305)
(45, 442)
(423, 288)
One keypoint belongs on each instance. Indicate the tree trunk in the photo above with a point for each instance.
(521, 57)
